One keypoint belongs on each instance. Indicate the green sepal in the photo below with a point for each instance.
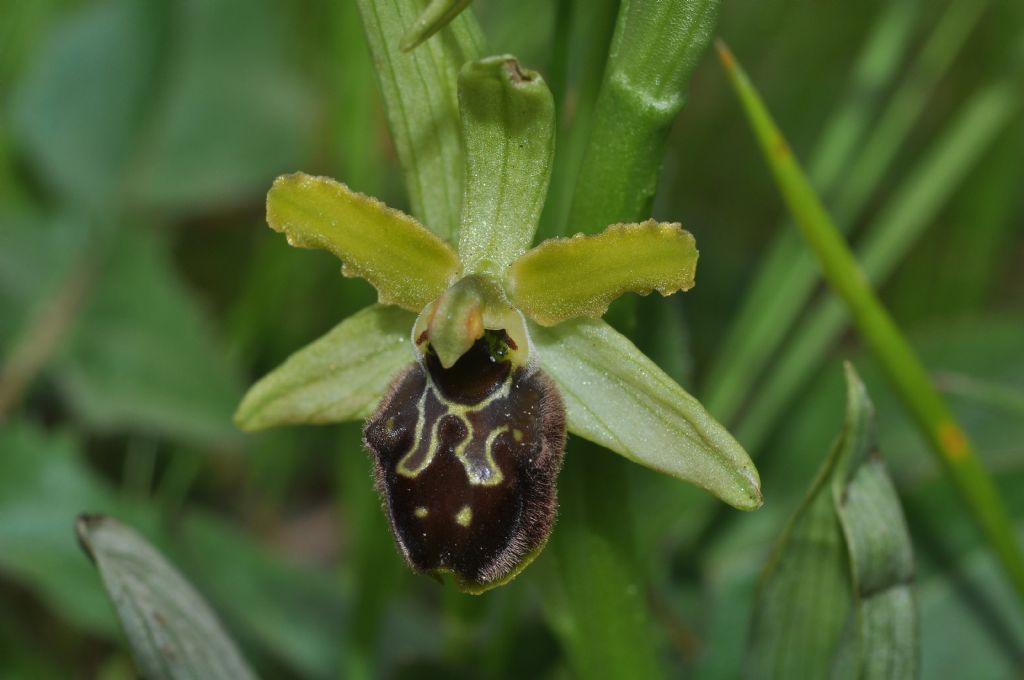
(616, 397)
(508, 132)
(341, 376)
(171, 630)
(436, 16)
(407, 264)
(846, 556)
(565, 278)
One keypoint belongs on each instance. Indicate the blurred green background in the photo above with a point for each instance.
(141, 292)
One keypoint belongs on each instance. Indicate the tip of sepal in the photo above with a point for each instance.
(84, 523)
(753, 498)
(245, 417)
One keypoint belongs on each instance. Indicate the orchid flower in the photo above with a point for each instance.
(477, 359)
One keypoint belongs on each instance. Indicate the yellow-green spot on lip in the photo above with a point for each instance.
(465, 516)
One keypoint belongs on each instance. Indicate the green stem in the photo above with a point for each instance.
(883, 337)
(373, 565)
(654, 50)
(584, 27)
(611, 634)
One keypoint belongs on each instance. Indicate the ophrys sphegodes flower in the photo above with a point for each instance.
(475, 360)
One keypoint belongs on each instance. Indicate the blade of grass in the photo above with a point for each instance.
(901, 365)
(784, 279)
(900, 223)
(983, 392)
(907, 104)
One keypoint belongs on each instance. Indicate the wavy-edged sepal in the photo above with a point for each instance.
(408, 264)
(616, 397)
(466, 460)
(340, 376)
(566, 278)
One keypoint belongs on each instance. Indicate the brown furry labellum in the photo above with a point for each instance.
(466, 460)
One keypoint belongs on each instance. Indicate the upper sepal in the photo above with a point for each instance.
(508, 133)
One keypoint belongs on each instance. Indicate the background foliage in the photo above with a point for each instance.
(140, 291)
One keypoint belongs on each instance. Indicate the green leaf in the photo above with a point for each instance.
(114, 107)
(656, 46)
(338, 377)
(836, 597)
(408, 265)
(77, 112)
(286, 610)
(43, 487)
(419, 90)
(437, 15)
(508, 128)
(172, 632)
(618, 398)
(235, 108)
(289, 612)
(142, 355)
(566, 278)
(36, 253)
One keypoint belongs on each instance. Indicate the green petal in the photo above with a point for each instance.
(338, 377)
(171, 630)
(567, 278)
(407, 264)
(436, 16)
(508, 130)
(846, 557)
(618, 398)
